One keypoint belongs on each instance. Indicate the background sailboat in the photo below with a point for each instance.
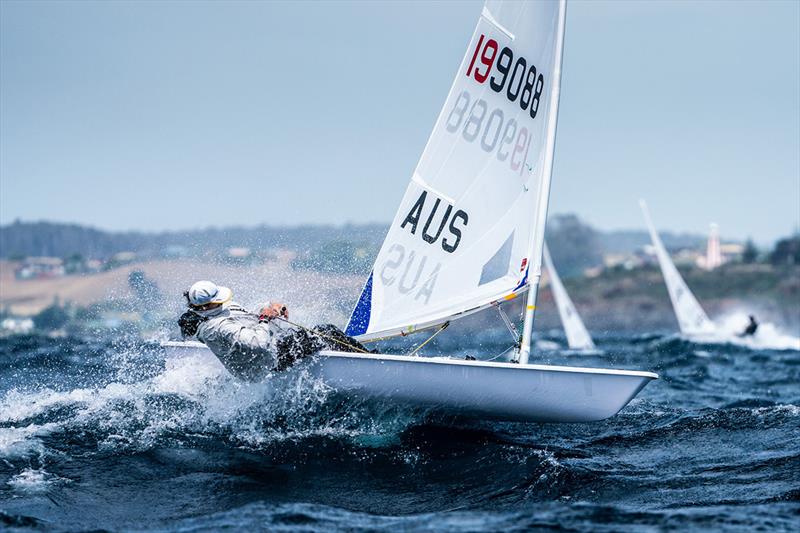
(468, 235)
(578, 337)
(692, 319)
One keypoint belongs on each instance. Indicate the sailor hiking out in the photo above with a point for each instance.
(751, 328)
(251, 345)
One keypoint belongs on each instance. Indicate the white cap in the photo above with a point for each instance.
(208, 292)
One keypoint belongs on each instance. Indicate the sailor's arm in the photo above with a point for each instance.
(273, 310)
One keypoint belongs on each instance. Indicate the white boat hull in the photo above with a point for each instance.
(506, 391)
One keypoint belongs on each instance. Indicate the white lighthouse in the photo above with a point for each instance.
(713, 254)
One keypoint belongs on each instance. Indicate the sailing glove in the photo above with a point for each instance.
(189, 322)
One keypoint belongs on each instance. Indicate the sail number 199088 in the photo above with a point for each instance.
(496, 132)
(521, 81)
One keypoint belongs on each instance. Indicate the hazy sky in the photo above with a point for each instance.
(156, 115)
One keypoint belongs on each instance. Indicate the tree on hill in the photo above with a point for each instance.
(24, 239)
(574, 245)
(786, 251)
(750, 253)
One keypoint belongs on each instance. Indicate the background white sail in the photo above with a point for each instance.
(578, 337)
(691, 317)
(466, 230)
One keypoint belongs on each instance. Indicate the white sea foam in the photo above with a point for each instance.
(552, 470)
(729, 330)
(33, 480)
(767, 336)
(783, 409)
(546, 345)
(23, 442)
(192, 395)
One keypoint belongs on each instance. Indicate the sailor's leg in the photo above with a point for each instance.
(294, 344)
(335, 339)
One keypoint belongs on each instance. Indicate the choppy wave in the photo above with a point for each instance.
(191, 396)
(146, 442)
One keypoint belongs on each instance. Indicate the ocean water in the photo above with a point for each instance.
(110, 434)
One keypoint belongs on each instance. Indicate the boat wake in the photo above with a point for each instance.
(768, 336)
(728, 329)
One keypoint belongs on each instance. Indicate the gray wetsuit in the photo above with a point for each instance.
(245, 345)
(251, 348)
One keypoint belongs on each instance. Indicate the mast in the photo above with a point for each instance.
(537, 239)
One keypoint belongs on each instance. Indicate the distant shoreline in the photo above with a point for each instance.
(633, 300)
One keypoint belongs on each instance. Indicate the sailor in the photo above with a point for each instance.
(751, 328)
(251, 345)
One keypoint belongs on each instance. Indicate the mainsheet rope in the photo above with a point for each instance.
(352, 346)
(418, 348)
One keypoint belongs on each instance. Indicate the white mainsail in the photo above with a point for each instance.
(691, 317)
(578, 337)
(469, 230)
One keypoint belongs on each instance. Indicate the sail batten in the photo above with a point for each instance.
(466, 233)
(488, 16)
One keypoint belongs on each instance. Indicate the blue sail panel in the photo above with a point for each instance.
(359, 320)
(524, 280)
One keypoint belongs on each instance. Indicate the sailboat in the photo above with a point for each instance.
(692, 319)
(468, 236)
(578, 337)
